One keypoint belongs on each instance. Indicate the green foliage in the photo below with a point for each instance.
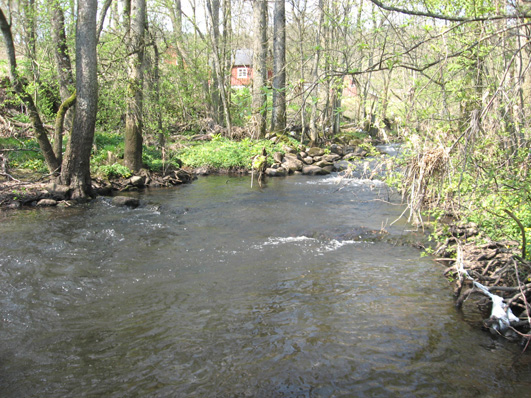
(107, 146)
(108, 139)
(226, 154)
(152, 159)
(28, 158)
(115, 170)
(483, 189)
(111, 105)
(241, 106)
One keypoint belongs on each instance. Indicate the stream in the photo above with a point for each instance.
(217, 289)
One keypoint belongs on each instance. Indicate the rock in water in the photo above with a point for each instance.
(46, 202)
(314, 170)
(125, 201)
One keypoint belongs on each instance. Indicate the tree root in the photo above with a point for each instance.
(495, 270)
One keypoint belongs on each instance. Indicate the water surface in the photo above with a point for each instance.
(215, 289)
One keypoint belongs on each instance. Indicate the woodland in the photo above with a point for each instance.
(107, 88)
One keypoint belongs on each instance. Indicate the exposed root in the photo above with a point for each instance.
(494, 270)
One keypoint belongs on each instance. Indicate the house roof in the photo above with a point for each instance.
(243, 56)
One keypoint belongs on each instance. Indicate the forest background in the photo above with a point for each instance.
(448, 79)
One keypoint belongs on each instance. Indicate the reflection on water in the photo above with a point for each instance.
(217, 289)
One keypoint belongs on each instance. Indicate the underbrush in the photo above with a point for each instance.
(487, 187)
(222, 153)
(23, 153)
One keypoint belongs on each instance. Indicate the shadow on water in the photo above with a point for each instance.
(217, 289)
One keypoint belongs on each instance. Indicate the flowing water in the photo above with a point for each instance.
(215, 289)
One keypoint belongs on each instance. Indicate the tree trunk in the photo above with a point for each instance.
(219, 86)
(258, 106)
(314, 133)
(40, 133)
(76, 167)
(156, 87)
(278, 116)
(63, 64)
(216, 81)
(174, 8)
(30, 17)
(133, 117)
(104, 10)
(226, 49)
(59, 125)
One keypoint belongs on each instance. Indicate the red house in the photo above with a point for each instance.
(242, 68)
(350, 89)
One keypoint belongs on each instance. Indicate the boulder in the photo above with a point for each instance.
(336, 149)
(278, 172)
(360, 152)
(307, 160)
(348, 149)
(288, 149)
(323, 163)
(314, 170)
(293, 156)
(125, 201)
(204, 170)
(137, 181)
(291, 163)
(314, 151)
(46, 202)
(277, 157)
(332, 157)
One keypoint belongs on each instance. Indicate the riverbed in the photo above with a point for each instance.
(216, 289)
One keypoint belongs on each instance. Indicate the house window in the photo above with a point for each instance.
(242, 73)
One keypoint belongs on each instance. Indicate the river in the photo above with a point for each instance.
(217, 289)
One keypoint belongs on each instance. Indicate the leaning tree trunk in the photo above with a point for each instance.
(59, 126)
(278, 116)
(258, 106)
(133, 117)
(40, 133)
(76, 166)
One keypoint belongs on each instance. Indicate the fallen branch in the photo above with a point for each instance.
(9, 176)
(28, 125)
